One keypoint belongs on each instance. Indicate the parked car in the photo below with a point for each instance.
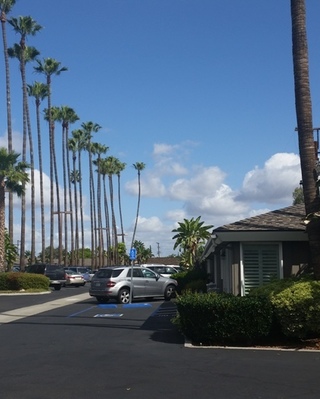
(165, 271)
(85, 271)
(74, 279)
(116, 283)
(55, 273)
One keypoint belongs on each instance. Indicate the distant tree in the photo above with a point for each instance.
(191, 235)
(50, 67)
(298, 196)
(139, 166)
(143, 253)
(40, 91)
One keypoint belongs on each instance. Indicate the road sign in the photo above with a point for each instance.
(133, 254)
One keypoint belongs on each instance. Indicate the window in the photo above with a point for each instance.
(260, 264)
(148, 273)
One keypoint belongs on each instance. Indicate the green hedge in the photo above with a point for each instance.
(13, 281)
(221, 319)
(194, 280)
(296, 305)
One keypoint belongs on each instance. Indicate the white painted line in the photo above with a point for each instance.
(17, 314)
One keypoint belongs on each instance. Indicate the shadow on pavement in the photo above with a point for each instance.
(160, 323)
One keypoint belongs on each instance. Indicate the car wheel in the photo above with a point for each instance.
(124, 296)
(102, 299)
(57, 287)
(169, 292)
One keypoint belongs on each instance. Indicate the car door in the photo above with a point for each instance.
(138, 281)
(153, 287)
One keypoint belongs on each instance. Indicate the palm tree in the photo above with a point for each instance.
(26, 26)
(305, 128)
(67, 115)
(50, 67)
(98, 150)
(13, 177)
(139, 166)
(104, 172)
(80, 144)
(190, 236)
(74, 179)
(54, 116)
(119, 167)
(40, 91)
(5, 8)
(89, 128)
(111, 164)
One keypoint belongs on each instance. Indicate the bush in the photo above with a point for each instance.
(196, 286)
(296, 306)
(223, 319)
(186, 280)
(12, 281)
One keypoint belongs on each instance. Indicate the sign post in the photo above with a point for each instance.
(133, 256)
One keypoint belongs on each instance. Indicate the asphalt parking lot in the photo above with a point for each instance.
(82, 350)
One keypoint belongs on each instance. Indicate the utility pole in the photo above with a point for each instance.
(158, 250)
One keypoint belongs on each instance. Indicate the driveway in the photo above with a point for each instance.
(85, 350)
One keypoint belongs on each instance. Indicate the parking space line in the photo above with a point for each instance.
(82, 311)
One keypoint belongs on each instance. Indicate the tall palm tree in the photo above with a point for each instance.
(66, 116)
(139, 166)
(104, 172)
(190, 236)
(99, 149)
(89, 128)
(13, 177)
(50, 67)
(80, 144)
(119, 167)
(111, 166)
(26, 54)
(5, 9)
(40, 91)
(74, 179)
(26, 26)
(54, 116)
(305, 128)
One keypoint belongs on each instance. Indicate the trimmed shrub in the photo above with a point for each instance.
(196, 286)
(296, 306)
(186, 277)
(13, 281)
(223, 319)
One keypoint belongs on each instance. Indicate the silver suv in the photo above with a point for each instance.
(116, 283)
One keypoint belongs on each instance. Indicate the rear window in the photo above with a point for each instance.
(108, 273)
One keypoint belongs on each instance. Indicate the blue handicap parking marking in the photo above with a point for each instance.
(137, 305)
(108, 306)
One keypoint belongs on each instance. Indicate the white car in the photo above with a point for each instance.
(163, 270)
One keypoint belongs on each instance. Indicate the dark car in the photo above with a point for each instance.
(117, 283)
(55, 273)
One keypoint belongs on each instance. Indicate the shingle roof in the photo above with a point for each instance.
(285, 219)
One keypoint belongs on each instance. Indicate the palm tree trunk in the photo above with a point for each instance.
(43, 233)
(8, 105)
(305, 128)
(81, 208)
(107, 218)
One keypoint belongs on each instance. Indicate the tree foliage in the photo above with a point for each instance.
(190, 237)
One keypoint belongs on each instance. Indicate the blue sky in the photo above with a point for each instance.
(201, 91)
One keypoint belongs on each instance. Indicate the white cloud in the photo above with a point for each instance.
(151, 186)
(275, 182)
